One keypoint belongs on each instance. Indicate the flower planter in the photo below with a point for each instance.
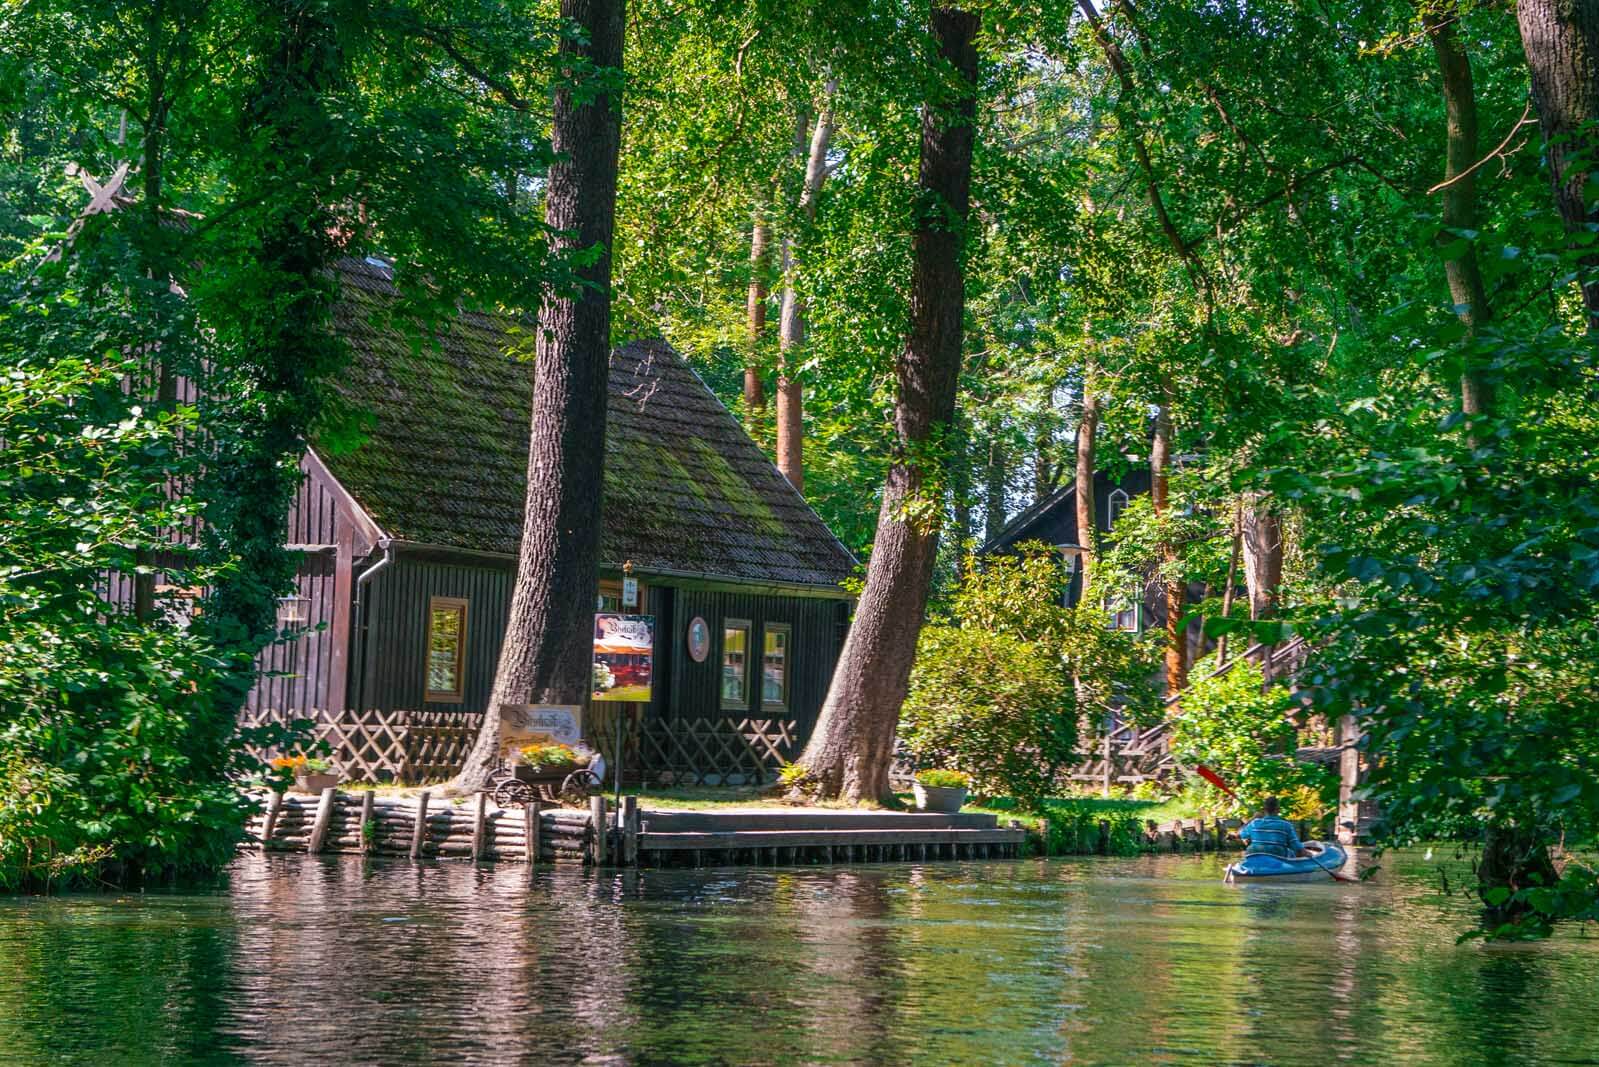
(315, 782)
(525, 773)
(947, 799)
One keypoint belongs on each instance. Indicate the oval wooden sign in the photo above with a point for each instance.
(699, 639)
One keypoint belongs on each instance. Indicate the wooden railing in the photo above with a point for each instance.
(411, 747)
(385, 746)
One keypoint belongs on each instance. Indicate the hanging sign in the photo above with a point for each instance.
(624, 649)
(630, 592)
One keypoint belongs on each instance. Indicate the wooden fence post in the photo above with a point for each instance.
(597, 823)
(630, 823)
(477, 826)
(1104, 838)
(324, 815)
(368, 842)
(420, 830)
(531, 816)
(274, 806)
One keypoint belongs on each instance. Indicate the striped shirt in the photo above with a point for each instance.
(1270, 836)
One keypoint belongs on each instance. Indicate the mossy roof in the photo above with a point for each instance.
(445, 455)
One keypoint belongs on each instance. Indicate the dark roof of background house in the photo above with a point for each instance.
(1024, 522)
(444, 461)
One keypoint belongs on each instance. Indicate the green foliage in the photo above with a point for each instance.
(1000, 687)
(119, 761)
(1244, 731)
(939, 779)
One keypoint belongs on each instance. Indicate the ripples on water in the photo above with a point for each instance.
(338, 961)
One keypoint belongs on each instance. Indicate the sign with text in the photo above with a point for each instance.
(624, 650)
(533, 724)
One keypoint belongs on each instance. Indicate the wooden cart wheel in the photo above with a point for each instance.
(513, 794)
(579, 786)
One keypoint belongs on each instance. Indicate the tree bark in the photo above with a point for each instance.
(849, 754)
(1087, 519)
(1460, 195)
(548, 649)
(791, 329)
(1262, 535)
(1561, 41)
(755, 312)
(996, 480)
(1227, 595)
(1160, 461)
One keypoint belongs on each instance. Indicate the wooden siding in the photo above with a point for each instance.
(817, 635)
(395, 662)
(310, 671)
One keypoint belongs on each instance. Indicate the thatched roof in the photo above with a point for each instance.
(444, 461)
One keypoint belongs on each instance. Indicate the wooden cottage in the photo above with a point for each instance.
(1053, 521)
(410, 543)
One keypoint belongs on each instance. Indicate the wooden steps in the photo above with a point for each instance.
(652, 841)
(763, 819)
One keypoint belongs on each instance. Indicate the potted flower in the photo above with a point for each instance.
(940, 790)
(312, 774)
(547, 760)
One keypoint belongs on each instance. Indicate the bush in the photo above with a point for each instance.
(120, 759)
(1000, 685)
(992, 705)
(1243, 731)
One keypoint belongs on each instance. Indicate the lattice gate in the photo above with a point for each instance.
(716, 751)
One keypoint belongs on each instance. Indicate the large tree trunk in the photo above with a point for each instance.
(1087, 519)
(548, 651)
(791, 328)
(1460, 194)
(755, 312)
(1262, 536)
(996, 482)
(849, 754)
(1561, 40)
(1160, 461)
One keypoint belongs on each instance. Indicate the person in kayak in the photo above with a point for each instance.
(1271, 835)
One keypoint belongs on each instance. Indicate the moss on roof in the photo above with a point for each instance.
(445, 457)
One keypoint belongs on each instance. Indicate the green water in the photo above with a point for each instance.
(332, 961)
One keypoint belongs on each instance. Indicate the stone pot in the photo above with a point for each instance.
(315, 781)
(947, 799)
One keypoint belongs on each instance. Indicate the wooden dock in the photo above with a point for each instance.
(428, 826)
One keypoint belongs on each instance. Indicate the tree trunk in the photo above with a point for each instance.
(755, 312)
(1513, 858)
(1262, 532)
(960, 481)
(1087, 519)
(548, 651)
(849, 754)
(1232, 578)
(1460, 195)
(1160, 460)
(996, 479)
(791, 330)
(1561, 40)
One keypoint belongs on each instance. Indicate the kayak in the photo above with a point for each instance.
(1326, 859)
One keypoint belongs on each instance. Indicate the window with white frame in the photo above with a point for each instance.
(1114, 507)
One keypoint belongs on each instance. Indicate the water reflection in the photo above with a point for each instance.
(1093, 961)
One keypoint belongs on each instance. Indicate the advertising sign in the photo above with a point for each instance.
(624, 647)
(528, 724)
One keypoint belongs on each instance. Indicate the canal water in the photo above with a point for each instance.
(301, 960)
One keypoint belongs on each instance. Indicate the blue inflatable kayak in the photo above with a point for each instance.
(1326, 859)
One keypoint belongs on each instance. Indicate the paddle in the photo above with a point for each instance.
(1215, 779)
